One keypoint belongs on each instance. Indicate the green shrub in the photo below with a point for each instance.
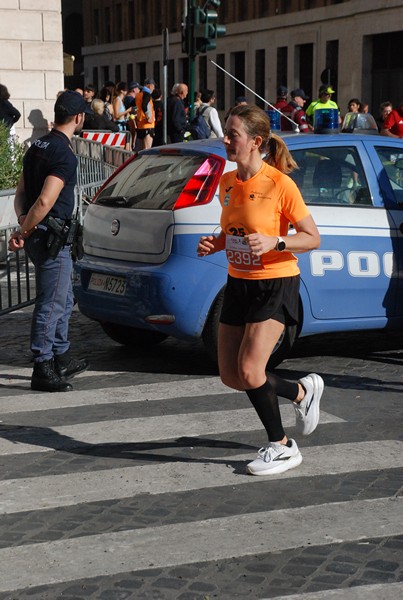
(11, 155)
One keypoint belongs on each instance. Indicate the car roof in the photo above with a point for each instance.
(216, 145)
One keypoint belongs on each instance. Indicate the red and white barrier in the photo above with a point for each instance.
(106, 138)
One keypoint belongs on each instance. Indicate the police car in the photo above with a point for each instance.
(140, 276)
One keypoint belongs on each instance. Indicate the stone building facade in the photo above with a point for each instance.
(31, 60)
(355, 45)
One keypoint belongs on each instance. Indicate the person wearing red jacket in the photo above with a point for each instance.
(295, 111)
(393, 124)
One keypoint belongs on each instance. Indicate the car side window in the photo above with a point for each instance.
(392, 162)
(331, 175)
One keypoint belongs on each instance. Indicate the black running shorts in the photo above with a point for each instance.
(257, 300)
(143, 133)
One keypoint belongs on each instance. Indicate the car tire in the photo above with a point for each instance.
(284, 345)
(210, 331)
(210, 336)
(132, 336)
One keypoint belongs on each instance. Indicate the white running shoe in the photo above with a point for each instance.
(276, 458)
(307, 411)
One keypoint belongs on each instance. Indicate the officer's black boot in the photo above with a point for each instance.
(45, 379)
(66, 366)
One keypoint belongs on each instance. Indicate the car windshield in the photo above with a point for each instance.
(151, 181)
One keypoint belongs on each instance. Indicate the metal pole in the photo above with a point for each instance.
(191, 56)
(257, 95)
(165, 60)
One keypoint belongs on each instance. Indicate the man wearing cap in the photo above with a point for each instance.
(324, 101)
(44, 203)
(281, 101)
(145, 114)
(133, 89)
(295, 111)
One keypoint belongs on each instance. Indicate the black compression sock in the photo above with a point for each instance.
(265, 402)
(283, 388)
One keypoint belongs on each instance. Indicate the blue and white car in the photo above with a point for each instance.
(140, 276)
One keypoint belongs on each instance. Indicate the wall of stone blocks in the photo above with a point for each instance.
(31, 61)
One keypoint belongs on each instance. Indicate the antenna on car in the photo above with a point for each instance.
(296, 127)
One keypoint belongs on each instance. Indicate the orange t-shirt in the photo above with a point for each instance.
(266, 203)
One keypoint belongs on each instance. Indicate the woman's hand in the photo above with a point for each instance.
(206, 245)
(260, 244)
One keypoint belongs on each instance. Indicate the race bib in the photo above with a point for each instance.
(239, 254)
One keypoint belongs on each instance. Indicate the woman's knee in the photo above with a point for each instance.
(231, 380)
(251, 377)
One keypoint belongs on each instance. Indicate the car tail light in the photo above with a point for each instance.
(201, 187)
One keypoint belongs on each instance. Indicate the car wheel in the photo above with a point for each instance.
(210, 336)
(210, 331)
(132, 336)
(284, 345)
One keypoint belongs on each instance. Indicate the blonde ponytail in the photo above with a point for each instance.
(279, 156)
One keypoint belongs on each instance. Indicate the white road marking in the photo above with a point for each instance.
(141, 429)
(167, 390)
(209, 540)
(39, 493)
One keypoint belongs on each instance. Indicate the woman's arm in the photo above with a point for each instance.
(307, 238)
(118, 115)
(209, 244)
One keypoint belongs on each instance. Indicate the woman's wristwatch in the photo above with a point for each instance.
(280, 246)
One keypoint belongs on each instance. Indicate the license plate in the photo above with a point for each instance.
(108, 284)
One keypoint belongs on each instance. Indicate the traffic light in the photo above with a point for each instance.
(187, 36)
(205, 27)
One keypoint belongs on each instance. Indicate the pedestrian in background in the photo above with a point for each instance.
(146, 114)
(385, 109)
(354, 105)
(159, 117)
(120, 112)
(176, 112)
(393, 124)
(98, 120)
(8, 113)
(282, 95)
(239, 100)
(106, 95)
(295, 111)
(210, 114)
(89, 93)
(44, 203)
(258, 204)
(323, 101)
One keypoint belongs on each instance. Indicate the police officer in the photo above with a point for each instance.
(295, 111)
(45, 199)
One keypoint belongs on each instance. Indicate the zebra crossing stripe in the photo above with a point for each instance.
(380, 591)
(207, 540)
(136, 393)
(141, 429)
(54, 491)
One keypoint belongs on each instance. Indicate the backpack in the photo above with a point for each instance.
(198, 127)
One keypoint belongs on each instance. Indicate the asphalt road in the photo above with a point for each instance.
(134, 485)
